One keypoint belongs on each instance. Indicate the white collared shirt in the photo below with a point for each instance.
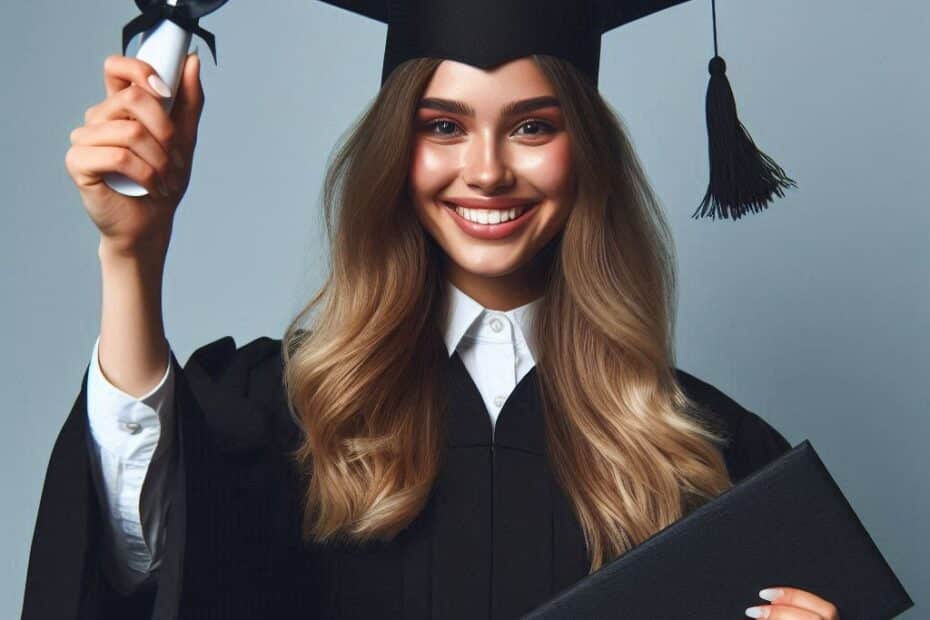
(494, 345)
(130, 462)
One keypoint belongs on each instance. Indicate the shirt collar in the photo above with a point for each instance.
(464, 311)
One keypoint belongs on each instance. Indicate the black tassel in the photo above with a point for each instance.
(742, 178)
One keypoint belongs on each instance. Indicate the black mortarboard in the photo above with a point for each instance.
(485, 33)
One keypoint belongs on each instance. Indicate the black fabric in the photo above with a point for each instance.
(752, 534)
(485, 33)
(496, 539)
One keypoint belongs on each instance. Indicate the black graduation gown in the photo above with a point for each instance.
(496, 539)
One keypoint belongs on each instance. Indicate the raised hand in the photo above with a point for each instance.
(129, 132)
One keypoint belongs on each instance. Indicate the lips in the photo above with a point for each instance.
(489, 203)
(493, 232)
(524, 205)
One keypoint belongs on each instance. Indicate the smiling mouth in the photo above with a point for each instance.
(490, 217)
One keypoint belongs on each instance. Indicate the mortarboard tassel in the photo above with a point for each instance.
(742, 178)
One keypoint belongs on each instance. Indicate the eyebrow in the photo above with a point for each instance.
(511, 109)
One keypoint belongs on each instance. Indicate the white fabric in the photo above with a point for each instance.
(131, 466)
(126, 450)
(494, 346)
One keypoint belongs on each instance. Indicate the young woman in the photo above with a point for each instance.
(479, 413)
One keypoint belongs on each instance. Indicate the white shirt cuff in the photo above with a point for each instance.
(121, 424)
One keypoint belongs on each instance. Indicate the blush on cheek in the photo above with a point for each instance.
(425, 164)
(549, 169)
(431, 169)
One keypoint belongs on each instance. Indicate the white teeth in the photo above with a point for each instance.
(491, 216)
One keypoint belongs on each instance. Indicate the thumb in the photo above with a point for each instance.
(188, 105)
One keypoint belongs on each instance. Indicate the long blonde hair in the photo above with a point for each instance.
(628, 448)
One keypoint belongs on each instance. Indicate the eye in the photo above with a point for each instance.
(441, 124)
(447, 128)
(542, 127)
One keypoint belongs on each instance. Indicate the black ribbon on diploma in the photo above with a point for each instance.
(186, 15)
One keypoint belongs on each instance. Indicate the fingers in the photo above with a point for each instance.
(134, 103)
(190, 97)
(188, 106)
(794, 604)
(121, 71)
(128, 134)
(130, 131)
(87, 164)
(786, 612)
(807, 600)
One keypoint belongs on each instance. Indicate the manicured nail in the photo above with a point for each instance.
(177, 157)
(159, 85)
(758, 612)
(770, 594)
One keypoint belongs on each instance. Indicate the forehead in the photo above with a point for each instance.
(516, 79)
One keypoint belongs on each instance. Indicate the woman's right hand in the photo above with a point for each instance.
(130, 133)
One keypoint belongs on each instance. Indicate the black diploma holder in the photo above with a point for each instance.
(786, 524)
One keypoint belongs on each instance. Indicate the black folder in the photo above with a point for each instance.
(787, 524)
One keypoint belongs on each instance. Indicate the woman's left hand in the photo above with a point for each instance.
(793, 604)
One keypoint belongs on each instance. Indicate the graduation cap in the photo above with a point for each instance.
(485, 33)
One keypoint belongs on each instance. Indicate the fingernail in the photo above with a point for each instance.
(770, 594)
(758, 612)
(194, 53)
(177, 158)
(159, 85)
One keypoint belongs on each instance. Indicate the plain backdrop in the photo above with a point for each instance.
(813, 314)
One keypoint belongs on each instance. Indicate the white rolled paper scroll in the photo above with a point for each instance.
(164, 46)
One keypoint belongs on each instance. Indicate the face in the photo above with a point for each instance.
(490, 146)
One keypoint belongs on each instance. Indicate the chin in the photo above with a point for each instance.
(486, 263)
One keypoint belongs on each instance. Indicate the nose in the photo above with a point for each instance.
(485, 168)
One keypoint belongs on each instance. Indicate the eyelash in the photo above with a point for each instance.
(548, 128)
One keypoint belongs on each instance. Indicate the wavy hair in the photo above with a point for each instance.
(626, 445)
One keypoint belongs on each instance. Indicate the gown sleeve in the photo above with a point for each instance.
(755, 444)
(215, 403)
(752, 442)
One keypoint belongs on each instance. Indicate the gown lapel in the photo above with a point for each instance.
(503, 539)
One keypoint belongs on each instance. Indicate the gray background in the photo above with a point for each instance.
(812, 314)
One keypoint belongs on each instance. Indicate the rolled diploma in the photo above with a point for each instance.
(164, 47)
